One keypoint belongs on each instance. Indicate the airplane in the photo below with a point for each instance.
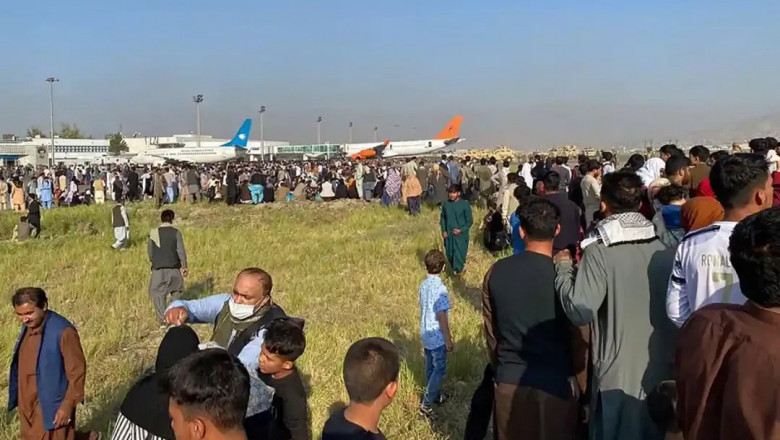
(189, 152)
(446, 138)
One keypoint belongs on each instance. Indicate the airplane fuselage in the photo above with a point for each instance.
(192, 154)
(405, 148)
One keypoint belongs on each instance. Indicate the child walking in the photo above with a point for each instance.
(434, 330)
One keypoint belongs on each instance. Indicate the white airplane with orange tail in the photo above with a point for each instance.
(446, 138)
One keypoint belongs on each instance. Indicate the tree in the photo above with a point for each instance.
(32, 132)
(116, 144)
(68, 131)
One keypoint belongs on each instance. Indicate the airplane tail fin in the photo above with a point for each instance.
(242, 135)
(452, 129)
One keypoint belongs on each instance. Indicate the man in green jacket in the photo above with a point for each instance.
(455, 225)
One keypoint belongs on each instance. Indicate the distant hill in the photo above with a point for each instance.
(762, 126)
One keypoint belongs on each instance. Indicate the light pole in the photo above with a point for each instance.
(319, 123)
(350, 132)
(375, 130)
(197, 99)
(51, 82)
(262, 141)
(319, 139)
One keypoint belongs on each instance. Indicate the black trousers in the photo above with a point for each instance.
(414, 205)
(481, 407)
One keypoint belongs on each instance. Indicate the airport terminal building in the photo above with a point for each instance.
(36, 151)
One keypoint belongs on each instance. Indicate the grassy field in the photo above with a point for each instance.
(350, 270)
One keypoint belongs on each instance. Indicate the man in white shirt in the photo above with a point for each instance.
(591, 189)
(702, 272)
(766, 147)
(525, 172)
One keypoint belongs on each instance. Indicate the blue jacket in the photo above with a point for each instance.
(50, 369)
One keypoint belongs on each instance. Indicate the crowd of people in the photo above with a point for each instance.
(637, 303)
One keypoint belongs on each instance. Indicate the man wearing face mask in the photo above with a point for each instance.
(238, 318)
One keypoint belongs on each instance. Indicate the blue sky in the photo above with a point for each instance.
(522, 73)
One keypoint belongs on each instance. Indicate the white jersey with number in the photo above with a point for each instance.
(702, 273)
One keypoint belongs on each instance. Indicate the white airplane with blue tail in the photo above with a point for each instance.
(190, 152)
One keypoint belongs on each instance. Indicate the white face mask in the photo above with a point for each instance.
(240, 311)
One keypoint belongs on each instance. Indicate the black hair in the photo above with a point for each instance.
(676, 163)
(512, 177)
(671, 193)
(539, 219)
(211, 383)
(606, 155)
(434, 261)
(670, 149)
(734, 178)
(592, 165)
(370, 365)
(635, 162)
(23, 218)
(522, 192)
(454, 188)
(718, 155)
(285, 337)
(560, 160)
(483, 161)
(700, 152)
(32, 196)
(622, 192)
(551, 181)
(755, 249)
(759, 146)
(167, 216)
(32, 295)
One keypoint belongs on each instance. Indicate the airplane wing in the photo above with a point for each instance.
(376, 151)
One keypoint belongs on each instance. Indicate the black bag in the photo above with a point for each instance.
(494, 236)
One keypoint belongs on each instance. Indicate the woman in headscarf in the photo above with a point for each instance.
(651, 170)
(700, 212)
(17, 195)
(144, 412)
(392, 195)
(411, 192)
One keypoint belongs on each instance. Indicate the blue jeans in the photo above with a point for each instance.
(170, 194)
(435, 367)
(368, 190)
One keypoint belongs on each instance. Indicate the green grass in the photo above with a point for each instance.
(350, 270)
